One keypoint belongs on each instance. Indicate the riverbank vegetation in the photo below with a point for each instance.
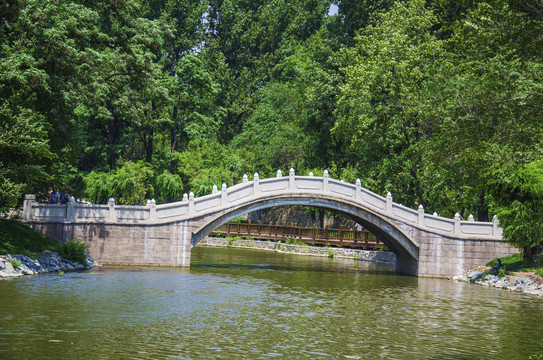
(438, 102)
(515, 263)
(18, 239)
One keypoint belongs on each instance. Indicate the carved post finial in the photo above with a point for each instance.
(358, 190)
(245, 178)
(214, 190)
(496, 231)
(421, 215)
(256, 184)
(470, 217)
(388, 204)
(279, 173)
(311, 173)
(457, 223)
(224, 195)
(112, 216)
(291, 185)
(191, 203)
(30, 199)
(325, 186)
(185, 197)
(70, 210)
(152, 209)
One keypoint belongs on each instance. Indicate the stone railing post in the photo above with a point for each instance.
(112, 215)
(388, 205)
(191, 203)
(279, 173)
(245, 178)
(457, 223)
(256, 185)
(495, 225)
(224, 195)
(291, 185)
(152, 209)
(27, 206)
(70, 209)
(325, 186)
(214, 190)
(358, 191)
(421, 215)
(470, 217)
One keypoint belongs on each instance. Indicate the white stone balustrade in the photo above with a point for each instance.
(257, 190)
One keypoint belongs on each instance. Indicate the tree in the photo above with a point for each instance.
(276, 130)
(518, 202)
(383, 107)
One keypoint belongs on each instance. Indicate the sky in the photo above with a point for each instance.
(332, 10)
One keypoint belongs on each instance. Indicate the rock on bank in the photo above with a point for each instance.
(48, 261)
(527, 283)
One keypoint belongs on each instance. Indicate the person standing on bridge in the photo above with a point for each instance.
(54, 197)
(64, 197)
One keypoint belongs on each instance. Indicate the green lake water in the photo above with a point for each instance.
(242, 303)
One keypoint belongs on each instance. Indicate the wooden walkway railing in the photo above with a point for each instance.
(358, 239)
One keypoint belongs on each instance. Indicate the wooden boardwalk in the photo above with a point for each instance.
(356, 239)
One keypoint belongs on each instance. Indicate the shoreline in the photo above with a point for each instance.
(364, 255)
(528, 283)
(47, 262)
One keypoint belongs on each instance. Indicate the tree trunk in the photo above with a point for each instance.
(533, 256)
(482, 211)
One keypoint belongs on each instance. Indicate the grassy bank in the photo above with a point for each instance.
(514, 263)
(17, 238)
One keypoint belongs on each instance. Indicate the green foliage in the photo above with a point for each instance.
(515, 263)
(15, 263)
(502, 272)
(518, 195)
(331, 253)
(129, 185)
(539, 272)
(437, 101)
(512, 262)
(290, 241)
(74, 251)
(17, 238)
(383, 106)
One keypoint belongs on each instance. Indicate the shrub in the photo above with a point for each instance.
(16, 263)
(74, 251)
(539, 272)
(502, 272)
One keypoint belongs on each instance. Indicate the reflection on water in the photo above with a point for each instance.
(236, 303)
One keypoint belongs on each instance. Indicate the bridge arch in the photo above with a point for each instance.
(425, 244)
(388, 232)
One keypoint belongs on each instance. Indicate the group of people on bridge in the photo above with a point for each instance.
(56, 198)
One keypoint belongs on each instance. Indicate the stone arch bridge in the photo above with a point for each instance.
(425, 245)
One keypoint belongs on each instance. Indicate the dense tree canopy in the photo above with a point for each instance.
(438, 101)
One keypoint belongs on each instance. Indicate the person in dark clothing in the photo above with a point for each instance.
(64, 197)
